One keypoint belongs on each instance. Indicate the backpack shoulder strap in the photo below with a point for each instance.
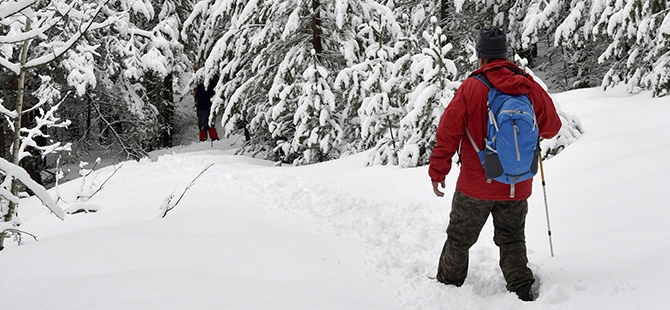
(472, 140)
(516, 70)
(482, 78)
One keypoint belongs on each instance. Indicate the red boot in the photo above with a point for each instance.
(203, 135)
(213, 134)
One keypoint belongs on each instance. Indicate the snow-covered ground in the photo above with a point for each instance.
(336, 235)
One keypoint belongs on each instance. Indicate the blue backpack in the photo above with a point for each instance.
(511, 149)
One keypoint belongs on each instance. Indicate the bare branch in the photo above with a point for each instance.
(103, 183)
(167, 205)
(117, 136)
(18, 232)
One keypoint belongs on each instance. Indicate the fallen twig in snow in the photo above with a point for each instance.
(16, 233)
(103, 183)
(168, 205)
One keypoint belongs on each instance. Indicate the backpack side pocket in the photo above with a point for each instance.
(492, 165)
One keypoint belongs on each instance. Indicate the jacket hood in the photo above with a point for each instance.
(506, 80)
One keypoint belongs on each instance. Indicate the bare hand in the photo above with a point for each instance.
(437, 192)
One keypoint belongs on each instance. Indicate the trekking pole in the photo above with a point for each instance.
(546, 207)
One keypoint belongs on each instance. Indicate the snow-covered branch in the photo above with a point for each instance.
(47, 119)
(57, 52)
(14, 172)
(31, 33)
(12, 7)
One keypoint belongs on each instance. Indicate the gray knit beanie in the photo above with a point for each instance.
(491, 44)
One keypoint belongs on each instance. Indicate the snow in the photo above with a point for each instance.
(336, 235)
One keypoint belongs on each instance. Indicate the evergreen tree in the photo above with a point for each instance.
(371, 89)
(264, 57)
(639, 34)
(317, 134)
(431, 75)
(224, 36)
(322, 29)
(144, 54)
(574, 49)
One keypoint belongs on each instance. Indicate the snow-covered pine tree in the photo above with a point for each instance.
(221, 35)
(205, 25)
(459, 21)
(318, 26)
(524, 21)
(318, 135)
(639, 34)
(235, 37)
(121, 76)
(430, 74)
(165, 79)
(262, 57)
(527, 22)
(371, 88)
(142, 55)
(573, 49)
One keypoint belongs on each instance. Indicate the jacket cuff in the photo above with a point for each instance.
(435, 176)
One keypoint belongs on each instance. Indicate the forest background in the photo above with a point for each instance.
(301, 81)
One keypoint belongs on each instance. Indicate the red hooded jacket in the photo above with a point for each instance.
(468, 109)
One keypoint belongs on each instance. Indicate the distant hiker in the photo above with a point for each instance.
(203, 101)
(477, 196)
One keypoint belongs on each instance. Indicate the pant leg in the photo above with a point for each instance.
(203, 119)
(509, 221)
(467, 217)
(203, 123)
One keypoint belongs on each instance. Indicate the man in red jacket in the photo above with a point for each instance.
(476, 197)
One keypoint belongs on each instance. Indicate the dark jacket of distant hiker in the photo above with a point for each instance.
(203, 96)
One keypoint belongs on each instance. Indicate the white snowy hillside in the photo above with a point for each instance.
(248, 235)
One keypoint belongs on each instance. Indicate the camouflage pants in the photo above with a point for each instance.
(467, 217)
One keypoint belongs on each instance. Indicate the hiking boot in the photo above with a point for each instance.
(444, 281)
(525, 293)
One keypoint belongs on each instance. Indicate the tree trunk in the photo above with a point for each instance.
(3, 152)
(317, 31)
(247, 134)
(16, 142)
(443, 12)
(89, 109)
(167, 95)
